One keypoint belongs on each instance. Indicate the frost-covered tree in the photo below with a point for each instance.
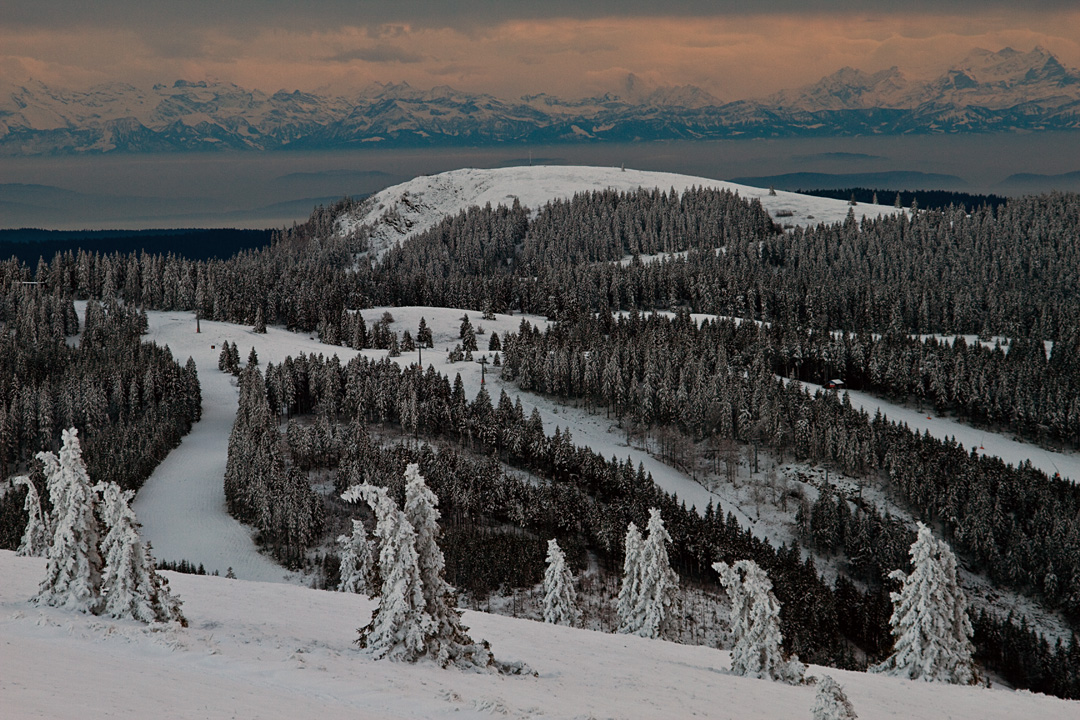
(356, 561)
(450, 642)
(73, 573)
(830, 702)
(755, 624)
(35, 539)
(929, 620)
(650, 587)
(131, 587)
(560, 598)
(659, 589)
(631, 580)
(400, 626)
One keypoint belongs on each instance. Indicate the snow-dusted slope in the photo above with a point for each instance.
(399, 212)
(261, 650)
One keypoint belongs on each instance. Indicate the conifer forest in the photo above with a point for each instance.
(693, 324)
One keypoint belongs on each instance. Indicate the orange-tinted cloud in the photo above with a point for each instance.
(732, 56)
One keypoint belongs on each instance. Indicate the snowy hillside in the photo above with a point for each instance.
(260, 650)
(399, 212)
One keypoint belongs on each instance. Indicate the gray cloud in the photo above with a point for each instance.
(377, 54)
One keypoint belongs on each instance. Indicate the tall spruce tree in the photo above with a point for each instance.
(630, 590)
(755, 624)
(450, 642)
(73, 573)
(400, 626)
(36, 536)
(659, 590)
(356, 561)
(131, 587)
(560, 598)
(929, 620)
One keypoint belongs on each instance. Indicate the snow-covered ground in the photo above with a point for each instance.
(261, 650)
(399, 212)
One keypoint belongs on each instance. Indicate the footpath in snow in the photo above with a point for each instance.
(261, 650)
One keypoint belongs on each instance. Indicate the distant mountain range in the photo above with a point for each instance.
(1002, 91)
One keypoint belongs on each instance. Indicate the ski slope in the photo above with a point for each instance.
(402, 211)
(262, 650)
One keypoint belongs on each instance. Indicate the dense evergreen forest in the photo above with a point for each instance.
(28, 244)
(925, 199)
(876, 302)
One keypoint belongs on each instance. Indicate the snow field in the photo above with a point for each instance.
(261, 650)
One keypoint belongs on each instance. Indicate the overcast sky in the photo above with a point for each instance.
(731, 48)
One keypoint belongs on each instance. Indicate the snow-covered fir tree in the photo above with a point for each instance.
(73, 573)
(830, 702)
(650, 587)
(929, 620)
(35, 539)
(659, 589)
(755, 624)
(131, 587)
(400, 626)
(450, 642)
(629, 591)
(560, 597)
(356, 561)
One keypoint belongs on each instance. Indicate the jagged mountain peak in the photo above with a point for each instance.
(847, 88)
(1011, 66)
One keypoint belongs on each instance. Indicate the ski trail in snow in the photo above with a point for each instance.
(182, 505)
(984, 441)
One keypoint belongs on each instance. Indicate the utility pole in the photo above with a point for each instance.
(483, 369)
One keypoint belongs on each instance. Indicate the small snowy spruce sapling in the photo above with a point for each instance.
(631, 580)
(73, 572)
(35, 539)
(830, 702)
(356, 561)
(755, 625)
(400, 626)
(560, 598)
(929, 620)
(131, 587)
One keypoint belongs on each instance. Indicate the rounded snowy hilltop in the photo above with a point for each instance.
(402, 211)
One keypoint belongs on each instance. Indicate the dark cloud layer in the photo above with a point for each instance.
(149, 14)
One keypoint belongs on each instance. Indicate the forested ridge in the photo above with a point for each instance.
(131, 401)
(851, 300)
